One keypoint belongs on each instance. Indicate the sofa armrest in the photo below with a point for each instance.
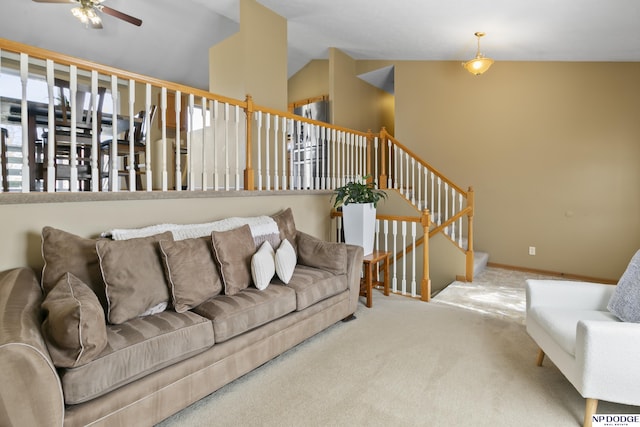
(31, 393)
(568, 294)
(607, 355)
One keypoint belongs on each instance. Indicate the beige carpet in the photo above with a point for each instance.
(401, 363)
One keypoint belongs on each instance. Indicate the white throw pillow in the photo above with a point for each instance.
(285, 261)
(263, 266)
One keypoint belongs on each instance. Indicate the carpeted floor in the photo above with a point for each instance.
(402, 363)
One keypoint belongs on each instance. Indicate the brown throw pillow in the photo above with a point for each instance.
(133, 275)
(191, 271)
(65, 252)
(287, 226)
(329, 256)
(233, 250)
(74, 326)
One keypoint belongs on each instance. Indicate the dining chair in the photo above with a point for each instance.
(123, 150)
(63, 132)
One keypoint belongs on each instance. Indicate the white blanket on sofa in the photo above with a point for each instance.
(263, 228)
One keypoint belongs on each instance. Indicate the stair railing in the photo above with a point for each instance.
(425, 187)
(402, 236)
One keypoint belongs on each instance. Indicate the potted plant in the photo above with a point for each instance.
(358, 200)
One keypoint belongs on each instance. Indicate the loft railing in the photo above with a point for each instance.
(197, 141)
(203, 141)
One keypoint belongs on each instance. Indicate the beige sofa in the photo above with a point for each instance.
(154, 365)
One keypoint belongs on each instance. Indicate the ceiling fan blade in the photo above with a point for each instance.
(55, 1)
(117, 14)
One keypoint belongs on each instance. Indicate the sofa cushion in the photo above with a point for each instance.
(137, 348)
(263, 266)
(234, 314)
(330, 256)
(313, 285)
(233, 251)
(191, 271)
(287, 226)
(65, 252)
(74, 326)
(562, 324)
(285, 261)
(133, 275)
(625, 301)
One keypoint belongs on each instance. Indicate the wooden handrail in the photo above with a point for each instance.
(450, 221)
(423, 163)
(37, 52)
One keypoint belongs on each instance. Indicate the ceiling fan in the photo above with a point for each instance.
(87, 12)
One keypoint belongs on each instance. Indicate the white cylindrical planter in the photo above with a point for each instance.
(359, 222)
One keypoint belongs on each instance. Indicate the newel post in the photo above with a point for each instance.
(248, 171)
(425, 285)
(469, 253)
(382, 180)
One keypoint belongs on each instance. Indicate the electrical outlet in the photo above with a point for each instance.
(532, 250)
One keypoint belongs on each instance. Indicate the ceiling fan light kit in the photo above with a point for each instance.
(480, 63)
(87, 12)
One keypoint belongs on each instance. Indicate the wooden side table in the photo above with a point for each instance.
(367, 283)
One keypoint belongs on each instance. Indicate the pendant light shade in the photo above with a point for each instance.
(480, 63)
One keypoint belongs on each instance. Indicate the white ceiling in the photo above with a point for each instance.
(174, 39)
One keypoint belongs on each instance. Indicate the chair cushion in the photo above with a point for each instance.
(562, 323)
(74, 326)
(133, 275)
(137, 348)
(233, 251)
(191, 271)
(249, 308)
(313, 285)
(625, 301)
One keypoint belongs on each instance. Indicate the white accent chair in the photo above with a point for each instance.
(597, 352)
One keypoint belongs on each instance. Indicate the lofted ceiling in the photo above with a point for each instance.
(175, 36)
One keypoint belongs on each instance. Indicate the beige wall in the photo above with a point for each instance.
(21, 224)
(551, 149)
(253, 61)
(354, 103)
(311, 81)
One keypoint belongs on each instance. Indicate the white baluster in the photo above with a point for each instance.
(95, 172)
(316, 175)
(267, 151)
(293, 131)
(276, 128)
(51, 172)
(258, 116)
(386, 234)
(460, 220)
(227, 171)
(439, 201)
(131, 162)
(433, 206)
(446, 206)
(404, 257)
(237, 145)
(73, 148)
(203, 148)
(163, 144)
(395, 169)
(24, 121)
(113, 157)
(377, 235)
(178, 143)
(389, 168)
(413, 181)
(419, 189)
(375, 161)
(406, 182)
(148, 171)
(394, 281)
(213, 106)
(179, 183)
(413, 259)
(285, 148)
(426, 186)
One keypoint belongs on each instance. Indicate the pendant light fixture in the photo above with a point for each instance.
(479, 64)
